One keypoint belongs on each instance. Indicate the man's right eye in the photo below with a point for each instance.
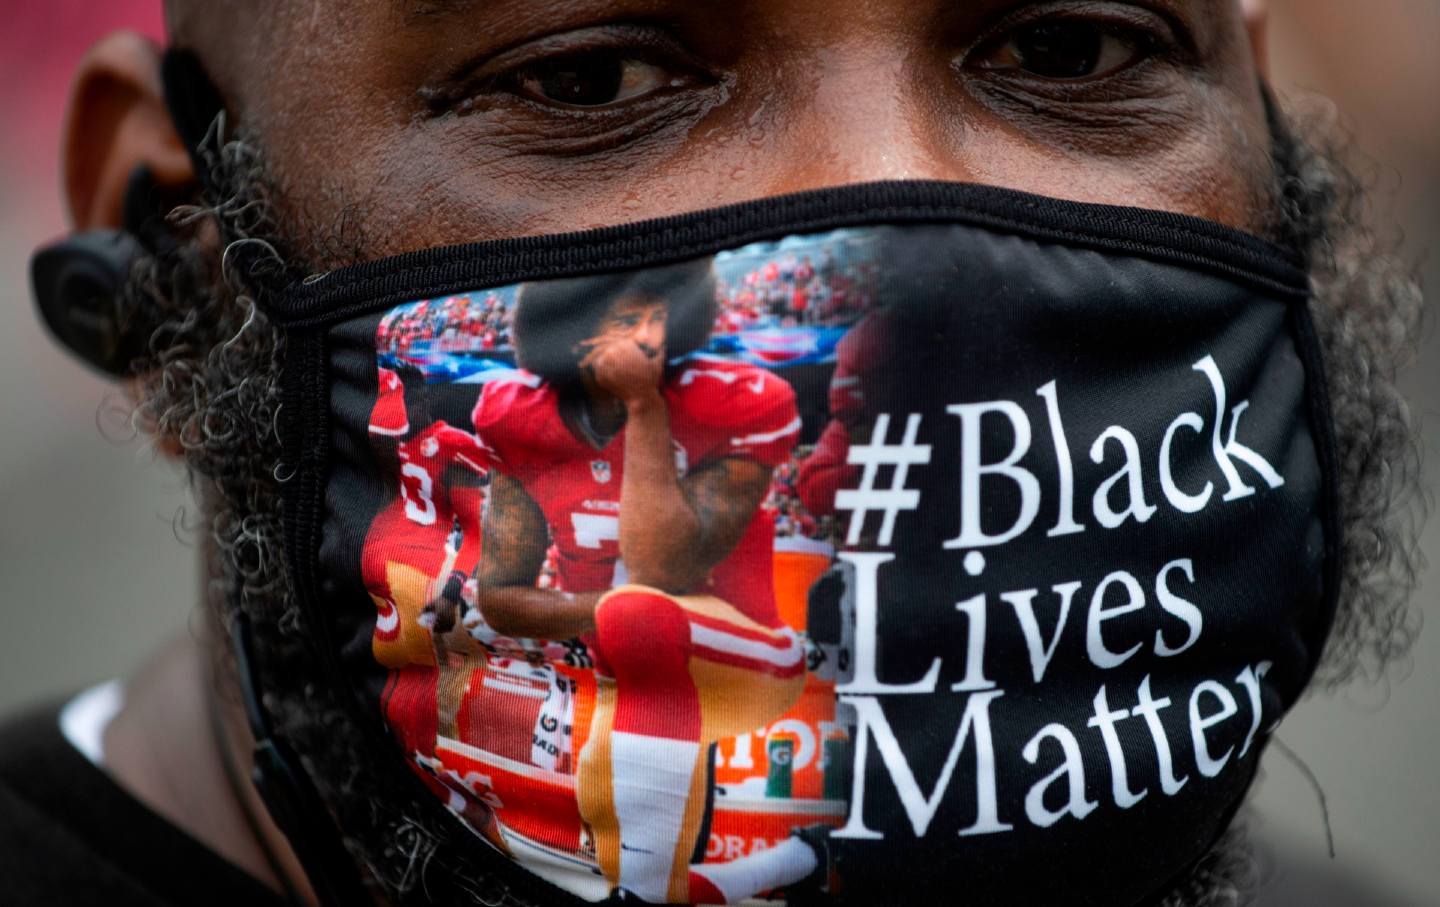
(594, 79)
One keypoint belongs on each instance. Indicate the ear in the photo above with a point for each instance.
(116, 122)
(1256, 14)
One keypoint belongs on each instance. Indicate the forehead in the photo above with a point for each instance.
(625, 306)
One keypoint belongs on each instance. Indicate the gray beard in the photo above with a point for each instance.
(211, 385)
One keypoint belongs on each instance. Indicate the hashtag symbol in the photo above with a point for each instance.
(889, 501)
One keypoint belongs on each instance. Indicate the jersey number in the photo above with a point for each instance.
(418, 506)
(591, 530)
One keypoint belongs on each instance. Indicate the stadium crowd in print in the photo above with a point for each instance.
(796, 289)
(793, 519)
(452, 325)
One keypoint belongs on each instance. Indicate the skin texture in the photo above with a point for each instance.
(422, 116)
(777, 97)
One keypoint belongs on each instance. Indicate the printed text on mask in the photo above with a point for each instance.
(1059, 788)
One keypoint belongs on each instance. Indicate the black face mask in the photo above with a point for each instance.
(898, 543)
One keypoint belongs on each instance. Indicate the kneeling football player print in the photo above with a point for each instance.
(647, 468)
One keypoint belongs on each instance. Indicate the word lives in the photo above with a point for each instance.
(1118, 626)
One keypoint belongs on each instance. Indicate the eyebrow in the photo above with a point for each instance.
(414, 10)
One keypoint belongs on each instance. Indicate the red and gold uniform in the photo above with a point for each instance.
(676, 672)
(415, 541)
(388, 419)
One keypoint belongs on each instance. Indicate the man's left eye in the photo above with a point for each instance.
(1065, 50)
(594, 79)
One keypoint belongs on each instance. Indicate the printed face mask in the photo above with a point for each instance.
(874, 545)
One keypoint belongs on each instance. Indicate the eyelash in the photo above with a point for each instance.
(503, 75)
(1154, 35)
(496, 83)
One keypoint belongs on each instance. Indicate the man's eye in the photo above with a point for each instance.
(596, 79)
(1065, 51)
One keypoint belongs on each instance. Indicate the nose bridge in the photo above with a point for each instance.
(866, 119)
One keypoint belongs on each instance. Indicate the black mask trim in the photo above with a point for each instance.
(1158, 235)
(1322, 424)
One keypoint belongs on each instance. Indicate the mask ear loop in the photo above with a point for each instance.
(1284, 146)
(194, 104)
(237, 789)
(1309, 774)
(1285, 143)
(289, 794)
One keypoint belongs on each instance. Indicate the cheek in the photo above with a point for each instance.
(1198, 145)
(1214, 164)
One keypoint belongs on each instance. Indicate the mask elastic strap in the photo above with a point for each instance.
(236, 779)
(194, 104)
(289, 794)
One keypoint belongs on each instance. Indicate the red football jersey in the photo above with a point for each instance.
(388, 418)
(423, 461)
(717, 409)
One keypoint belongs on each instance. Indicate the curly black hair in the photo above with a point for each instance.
(417, 397)
(553, 318)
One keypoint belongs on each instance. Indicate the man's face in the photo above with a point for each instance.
(640, 322)
(449, 121)
(406, 124)
(625, 356)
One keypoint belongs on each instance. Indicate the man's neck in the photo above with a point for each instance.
(163, 747)
(594, 416)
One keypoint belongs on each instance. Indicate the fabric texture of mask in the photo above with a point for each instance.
(873, 544)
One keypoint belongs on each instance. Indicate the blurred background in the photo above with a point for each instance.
(97, 552)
